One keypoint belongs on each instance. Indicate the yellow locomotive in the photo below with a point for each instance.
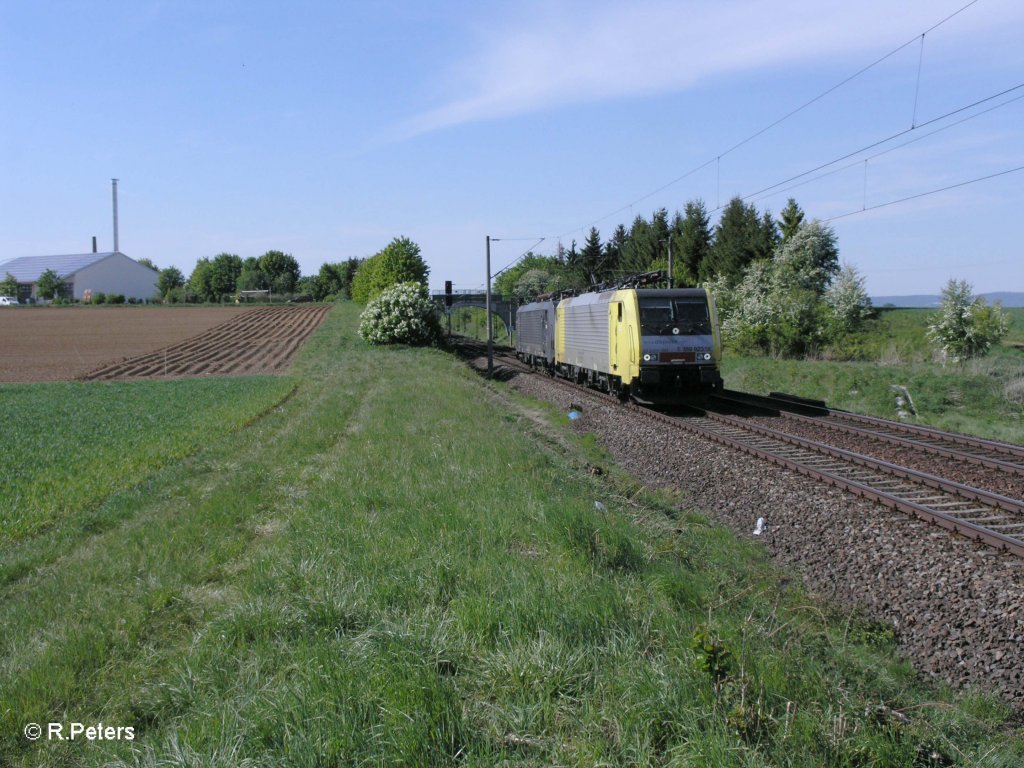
(653, 345)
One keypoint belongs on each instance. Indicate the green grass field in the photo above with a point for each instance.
(70, 445)
(401, 565)
(983, 397)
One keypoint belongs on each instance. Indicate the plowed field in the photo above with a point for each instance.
(257, 341)
(68, 343)
(62, 343)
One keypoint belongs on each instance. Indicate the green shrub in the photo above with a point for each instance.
(175, 295)
(399, 262)
(98, 298)
(115, 298)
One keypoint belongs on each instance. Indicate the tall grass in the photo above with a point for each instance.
(982, 397)
(403, 566)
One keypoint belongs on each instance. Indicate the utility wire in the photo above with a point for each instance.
(890, 149)
(520, 256)
(761, 194)
(777, 122)
(930, 192)
(880, 142)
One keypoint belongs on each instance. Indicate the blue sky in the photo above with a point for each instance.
(325, 129)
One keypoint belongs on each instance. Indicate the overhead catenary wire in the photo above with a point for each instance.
(718, 158)
(755, 197)
(928, 193)
(520, 256)
(917, 85)
(886, 140)
(774, 188)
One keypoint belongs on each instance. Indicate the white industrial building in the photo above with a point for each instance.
(84, 274)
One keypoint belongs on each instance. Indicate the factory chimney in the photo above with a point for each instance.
(116, 247)
(94, 243)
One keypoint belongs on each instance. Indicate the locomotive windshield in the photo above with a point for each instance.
(673, 317)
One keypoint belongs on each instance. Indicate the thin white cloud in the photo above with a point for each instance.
(586, 52)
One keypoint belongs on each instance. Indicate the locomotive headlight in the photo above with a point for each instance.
(647, 358)
(707, 355)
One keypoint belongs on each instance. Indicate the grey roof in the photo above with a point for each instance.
(27, 269)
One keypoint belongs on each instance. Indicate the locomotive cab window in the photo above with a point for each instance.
(667, 317)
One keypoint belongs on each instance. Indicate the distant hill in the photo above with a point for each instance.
(1009, 299)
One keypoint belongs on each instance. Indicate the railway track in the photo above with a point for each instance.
(973, 450)
(990, 518)
(972, 512)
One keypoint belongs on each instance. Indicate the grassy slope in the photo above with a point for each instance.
(983, 397)
(398, 568)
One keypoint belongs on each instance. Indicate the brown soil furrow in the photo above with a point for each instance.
(237, 360)
(307, 324)
(258, 341)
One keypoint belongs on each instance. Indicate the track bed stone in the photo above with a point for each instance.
(956, 607)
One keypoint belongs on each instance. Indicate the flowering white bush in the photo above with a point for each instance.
(849, 299)
(769, 311)
(964, 327)
(402, 314)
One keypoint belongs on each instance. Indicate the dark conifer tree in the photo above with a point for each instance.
(768, 237)
(591, 258)
(661, 230)
(638, 252)
(790, 219)
(571, 258)
(694, 243)
(738, 241)
(675, 237)
(614, 251)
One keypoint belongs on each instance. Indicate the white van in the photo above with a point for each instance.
(8, 301)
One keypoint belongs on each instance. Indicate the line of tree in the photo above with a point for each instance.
(699, 251)
(778, 282)
(224, 275)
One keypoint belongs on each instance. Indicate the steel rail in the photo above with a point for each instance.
(832, 420)
(779, 403)
(995, 446)
(950, 522)
(932, 481)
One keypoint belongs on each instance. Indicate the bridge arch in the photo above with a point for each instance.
(503, 310)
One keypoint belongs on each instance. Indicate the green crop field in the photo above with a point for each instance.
(70, 445)
(401, 564)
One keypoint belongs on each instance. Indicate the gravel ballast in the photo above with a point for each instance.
(957, 607)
